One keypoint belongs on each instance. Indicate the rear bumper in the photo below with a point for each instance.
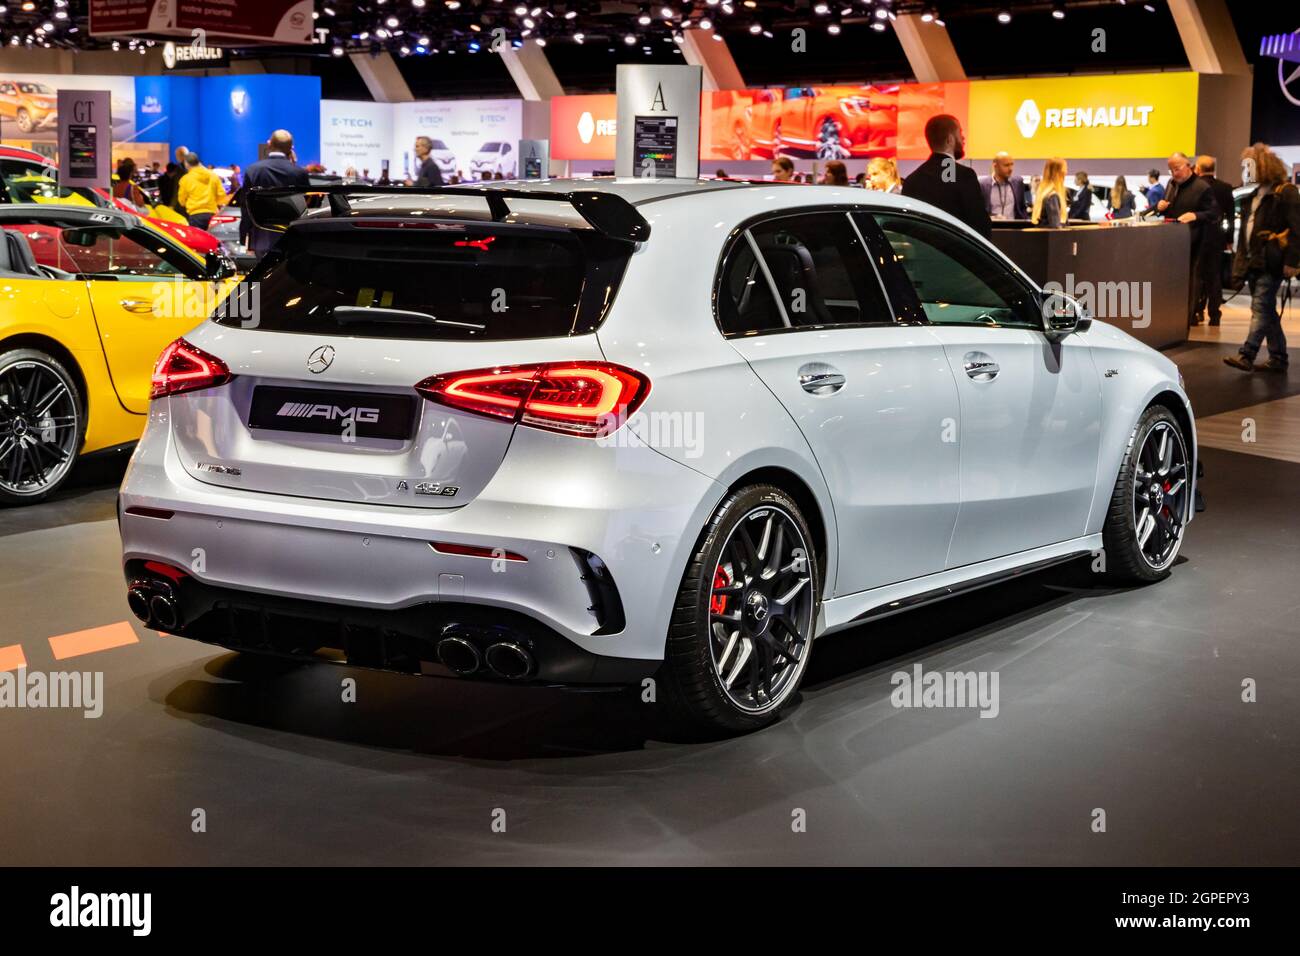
(566, 506)
(405, 640)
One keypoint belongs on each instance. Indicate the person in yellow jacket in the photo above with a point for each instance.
(199, 192)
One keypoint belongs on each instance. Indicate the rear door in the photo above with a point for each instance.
(330, 335)
(874, 398)
(1030, 407)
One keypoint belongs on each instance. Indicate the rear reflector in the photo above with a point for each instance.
(587, 399)
(183, 367)
(158, 513)
(474, 551)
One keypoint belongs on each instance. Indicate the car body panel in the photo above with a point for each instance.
(639, 500)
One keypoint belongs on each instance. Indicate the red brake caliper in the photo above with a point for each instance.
(718, 602)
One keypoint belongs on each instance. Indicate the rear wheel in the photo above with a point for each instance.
(42, 425)
(1152, 501)
(25, 120)
(742, 627)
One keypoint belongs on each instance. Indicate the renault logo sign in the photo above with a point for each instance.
(320, 359)
(1028, 118)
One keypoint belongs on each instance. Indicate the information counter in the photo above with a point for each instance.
(1134, 275)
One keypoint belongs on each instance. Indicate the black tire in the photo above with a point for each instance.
(1125, 559)
(24, 120)
(692, 690)
(18, 492)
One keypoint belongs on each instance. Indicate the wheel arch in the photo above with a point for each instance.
(57, 350)
(805, 498)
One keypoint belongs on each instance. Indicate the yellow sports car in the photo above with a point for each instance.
(89, 298)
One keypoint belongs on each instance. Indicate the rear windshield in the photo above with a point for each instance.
(434, 280)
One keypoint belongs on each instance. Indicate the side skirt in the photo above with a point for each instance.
(877, 603)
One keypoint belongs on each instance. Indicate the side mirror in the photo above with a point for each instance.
(217, 266)
(1062, 314)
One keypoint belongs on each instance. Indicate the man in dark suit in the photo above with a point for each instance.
(941, 182)
(427, 172)
(1209, 291)
(278, 169)
(1004, 192)
(1189, 200)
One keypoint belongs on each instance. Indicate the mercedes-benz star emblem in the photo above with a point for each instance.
(321, 359)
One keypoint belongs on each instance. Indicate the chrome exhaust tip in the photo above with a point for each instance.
(138, 600)
(509, 660)
(164, 612)
(458, 655)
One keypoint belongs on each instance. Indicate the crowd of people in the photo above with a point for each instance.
(1263, 248)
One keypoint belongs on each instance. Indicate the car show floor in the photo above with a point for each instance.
(1156, 725)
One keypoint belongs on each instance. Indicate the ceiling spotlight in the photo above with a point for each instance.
(453, 4)
(393, 22)
(417, 3)
(630, 39)
(821, 9)
(29, 6)
(833, 29)
(329, 11)
(878, 26)
(579, 37)
(668, 13)
(643, 17)
(570, 14)
(706, 23)
(927, 16)
(882, 13)
(755, 28)
(541, 41)
(1058, 11)
(337, 51)
(530, 22)
(521, 10)
(1004, 15)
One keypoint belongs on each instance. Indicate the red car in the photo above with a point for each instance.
(28, 176)
(836, 122)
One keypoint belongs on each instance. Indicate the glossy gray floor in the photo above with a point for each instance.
(1126, 701)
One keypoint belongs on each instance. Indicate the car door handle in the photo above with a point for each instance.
(819, 379)
(982, 370)
(137, 305)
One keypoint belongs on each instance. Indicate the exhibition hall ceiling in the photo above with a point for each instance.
(444, 46)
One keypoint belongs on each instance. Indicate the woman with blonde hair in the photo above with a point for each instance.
(1268, 254)
(882, 175)
(1050, 202)
(1121, 200)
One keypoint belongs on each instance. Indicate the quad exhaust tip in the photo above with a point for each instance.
(138, 600)
(459, 656)
(509, 660)
(164, 612)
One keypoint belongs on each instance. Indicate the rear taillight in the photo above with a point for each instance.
(220, 220)
(183, 367)
(589, 399)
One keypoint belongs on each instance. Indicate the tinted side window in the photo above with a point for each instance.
(820, 276)
(820, 270)
(745, 302)
(958, 282)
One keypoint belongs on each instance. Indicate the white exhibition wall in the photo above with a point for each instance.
(362, 134)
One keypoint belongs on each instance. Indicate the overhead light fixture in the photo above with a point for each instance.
(927, 16)
(630, 39)
(1058, 11)
(706, 23)
(392, 22)
(833, 29)
(1004, 15)
(579, 37)
(822, 9)
(755, 28)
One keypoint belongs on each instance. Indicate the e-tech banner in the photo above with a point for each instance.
(471, 138)
(355, 135)
(1124, 116)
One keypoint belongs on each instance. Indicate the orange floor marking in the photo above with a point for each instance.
(90, 641)
(12, 658)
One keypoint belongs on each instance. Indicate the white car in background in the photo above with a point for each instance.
(492, 158)
(444, 158)
(714, 422)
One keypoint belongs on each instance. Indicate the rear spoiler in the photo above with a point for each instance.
(274, 208)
